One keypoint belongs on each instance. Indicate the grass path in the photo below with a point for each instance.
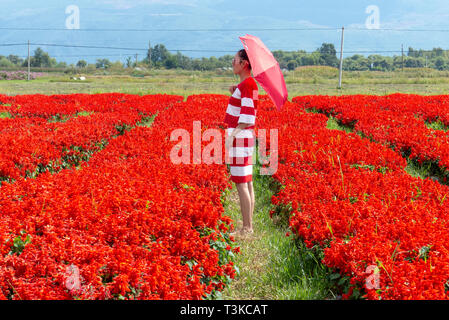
(272, 265)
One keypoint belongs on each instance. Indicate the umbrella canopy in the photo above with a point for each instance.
(266, 69)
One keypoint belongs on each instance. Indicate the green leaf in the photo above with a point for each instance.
(334, 276)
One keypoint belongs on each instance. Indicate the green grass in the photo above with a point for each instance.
(64, 118)
(70, 80)
(303, 81)
(333, 124)
(146, 121)
(272, 265)
(427, 169)
(4, 115)
(437, 125)
(84, 113)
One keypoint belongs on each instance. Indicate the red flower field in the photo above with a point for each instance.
(91, 207)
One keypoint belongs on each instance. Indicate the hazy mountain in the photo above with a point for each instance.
(212, 15)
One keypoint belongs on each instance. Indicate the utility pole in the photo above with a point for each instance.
(149, 53)
(136, 60)
(402, 49)
(341, 57)
(28, 60)
(120, 51)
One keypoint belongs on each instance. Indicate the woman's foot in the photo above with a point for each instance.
(242, 233)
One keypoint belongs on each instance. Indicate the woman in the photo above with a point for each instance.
(240, 119)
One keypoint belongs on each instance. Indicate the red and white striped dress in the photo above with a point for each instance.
(242, 108)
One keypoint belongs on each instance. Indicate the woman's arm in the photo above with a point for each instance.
(235, 132)
(247, 115)
(240, 127)
(232, 89)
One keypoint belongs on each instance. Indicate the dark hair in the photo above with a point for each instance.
(244, 56)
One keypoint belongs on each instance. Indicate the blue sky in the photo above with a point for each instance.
(397, 13)
(224, 14)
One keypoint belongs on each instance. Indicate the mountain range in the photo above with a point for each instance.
(204, 28)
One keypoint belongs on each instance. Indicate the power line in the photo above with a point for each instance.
(85, 46)
(188, 50)
(122, 48)
(87, 55)
(171, 30)
(394, 29)
(224, 29)
(13, 44)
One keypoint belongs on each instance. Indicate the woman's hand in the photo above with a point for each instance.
(232, 89)
(229, 142)
(230, 139)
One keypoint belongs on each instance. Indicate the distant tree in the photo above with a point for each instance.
(279, 55)
(204, 64)
(116, 66)
(103, 64)
(15, 59)
(4, 62)
(91, 67)
(381, 63)
(307, 60)
(81, 64)
(61, 64)
(182, 61)
(397, 62)
(438, 52)
(40, 59)
(292, 64)
(414, 63)
(226, 60)
(328, 54)
(128, 62)
(412, 52)
(171, 62)
(159, 57)
(440, 63)
(159, 53)
(147, 58)
(358, 62)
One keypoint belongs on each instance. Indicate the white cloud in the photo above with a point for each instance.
(126, 4)
(27, 12)
(165, 14)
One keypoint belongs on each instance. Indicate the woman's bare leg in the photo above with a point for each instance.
(245, 206)
(253, 200)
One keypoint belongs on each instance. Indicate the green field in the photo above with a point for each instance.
(302, 81)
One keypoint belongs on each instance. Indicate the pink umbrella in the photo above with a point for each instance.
(266, 69)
